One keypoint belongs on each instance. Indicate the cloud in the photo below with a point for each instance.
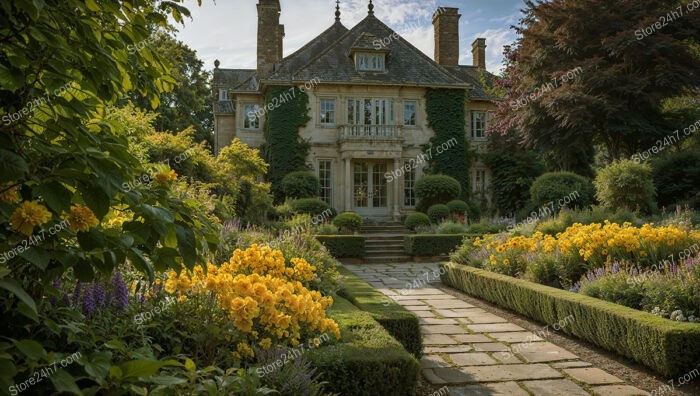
(496, 39)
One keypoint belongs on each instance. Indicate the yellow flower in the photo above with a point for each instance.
(9, 194)
(28, 215)
(81, 219)
(265, 343)
(182, 298)
(164, 178)
(506, 262)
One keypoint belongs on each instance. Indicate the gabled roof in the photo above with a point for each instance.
(235, 79)
(406, 65)
(471, 75)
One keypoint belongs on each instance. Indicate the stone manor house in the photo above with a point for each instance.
(367, 101)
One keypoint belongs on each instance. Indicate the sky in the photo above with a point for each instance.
(227, 29)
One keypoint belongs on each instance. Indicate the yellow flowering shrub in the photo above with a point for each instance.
(9, 193)
(265, 299)
(165, 178)
(585, 246)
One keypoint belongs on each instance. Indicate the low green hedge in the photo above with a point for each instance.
(367, 360)
(397, 320)
(670, 348)
(432, 245)
(344, 246)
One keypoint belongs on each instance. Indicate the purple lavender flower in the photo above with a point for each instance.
(576, 287)
(615, 268)
(89, 301)
(57, 285)
(142, 295)
(76, 293)
(121, 294)
(100, 294)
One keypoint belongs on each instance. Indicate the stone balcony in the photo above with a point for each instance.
(385, 139)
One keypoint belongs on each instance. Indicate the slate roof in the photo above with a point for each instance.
(235, 79)
(406, 65)
(470, 75)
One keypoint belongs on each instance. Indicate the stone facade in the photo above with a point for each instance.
(366, 88)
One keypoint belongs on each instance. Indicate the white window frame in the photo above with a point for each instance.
(479, 181)
(326, 185)
(415, 113)
(248, 124)
(322, 112)
(409, 184)
(478, 131)
(370, 62)
(223, 95)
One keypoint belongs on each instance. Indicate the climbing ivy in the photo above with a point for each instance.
(446, 116)
(286, 110)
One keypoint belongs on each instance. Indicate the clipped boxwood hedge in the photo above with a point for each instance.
(670, 348)
(398, 321)
(428, 245)
(367, 360)
(344, 246)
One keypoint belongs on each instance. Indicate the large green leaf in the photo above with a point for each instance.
(186, 245)
(56, 196)
(30, 348)
(12, 166)
(64, 382)
(141, 368)
(37, 256)
(15, 288)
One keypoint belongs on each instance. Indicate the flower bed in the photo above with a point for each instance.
(649, 268)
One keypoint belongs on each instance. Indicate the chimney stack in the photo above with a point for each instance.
(479, 52)
(270, 35)
(446, 24)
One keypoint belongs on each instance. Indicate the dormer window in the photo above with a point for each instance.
(223, 94)
(369, 62)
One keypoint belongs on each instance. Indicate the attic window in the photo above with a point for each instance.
(369, 62)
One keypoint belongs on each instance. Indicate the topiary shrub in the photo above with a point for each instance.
(677, 179)
(349, 221)
(438, 213)
(312, 206)
(436, 189)
(626, 185)
(415, 220)
(560, 187)
(458, 207)
(300, 184)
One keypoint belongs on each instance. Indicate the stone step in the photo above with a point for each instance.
(386, 259)
(383, 242)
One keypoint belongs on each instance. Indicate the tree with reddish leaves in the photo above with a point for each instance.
(589, 77)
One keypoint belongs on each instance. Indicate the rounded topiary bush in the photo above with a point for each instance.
(300, 184)
(436, 189)
(561, 189)
(438, 213)
(349, 221)
(626, 185)
(415, 220)
(313, 207)
(458, 207)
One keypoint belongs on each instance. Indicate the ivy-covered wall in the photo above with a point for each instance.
(286, 110)
(446, 116)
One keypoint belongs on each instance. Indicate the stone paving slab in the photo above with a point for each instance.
(496, 389)
(592, 376)
(555, 388)
(476, 352)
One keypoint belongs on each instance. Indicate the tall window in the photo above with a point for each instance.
(327, 115)
(369, 62)
(370, 112)
(478, 125)
(479, 181)
(251, 117)
(409, 181)
(325, 173)
(223, 94)
(409, 112)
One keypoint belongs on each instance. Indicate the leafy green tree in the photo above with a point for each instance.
(603, 79)
(62, 64)
(189, 103)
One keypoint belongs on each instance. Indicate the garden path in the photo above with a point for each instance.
(475, 352)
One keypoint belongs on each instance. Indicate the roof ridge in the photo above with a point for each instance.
(406, 42)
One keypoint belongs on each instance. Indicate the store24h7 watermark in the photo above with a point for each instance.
(45, 372)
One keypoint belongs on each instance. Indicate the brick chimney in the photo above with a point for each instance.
(479, 52)
(270, 35)
(446, 24)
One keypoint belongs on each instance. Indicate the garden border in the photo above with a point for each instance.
(431, 245)
(344, 246)
(670, 348)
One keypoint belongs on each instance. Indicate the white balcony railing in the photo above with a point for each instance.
(370, 132)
